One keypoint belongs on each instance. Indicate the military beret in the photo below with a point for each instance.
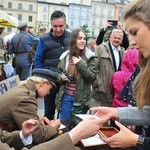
(22, 25)
(50, 75)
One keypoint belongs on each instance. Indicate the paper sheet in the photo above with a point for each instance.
(92, 141)
(62, 127)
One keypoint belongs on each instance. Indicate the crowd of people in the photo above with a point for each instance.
(111, 79)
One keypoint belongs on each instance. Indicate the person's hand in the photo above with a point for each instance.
(86, 128)
(28, 127)
(120, 25)
(107, 25)
(125, 138)
(105, 113)
(55, 123)
(44, 121)
(64, 77)
(75, 60)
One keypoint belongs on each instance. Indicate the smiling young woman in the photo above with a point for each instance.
(77, 64)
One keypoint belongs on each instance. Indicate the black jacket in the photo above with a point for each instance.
(54, 47)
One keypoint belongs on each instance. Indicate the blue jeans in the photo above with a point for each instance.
(66, 107)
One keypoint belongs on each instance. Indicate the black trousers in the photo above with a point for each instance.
(49, 103)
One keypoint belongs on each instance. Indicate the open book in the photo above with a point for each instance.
(92, 141)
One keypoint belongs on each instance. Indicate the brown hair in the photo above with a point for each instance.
(139, 10)
(143, 85)
(74, 51)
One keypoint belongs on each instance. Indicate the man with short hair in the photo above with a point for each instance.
(49, 49)
(110, 55)
(42, 31)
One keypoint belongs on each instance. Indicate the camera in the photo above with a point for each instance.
(70, 78)
(113, 23)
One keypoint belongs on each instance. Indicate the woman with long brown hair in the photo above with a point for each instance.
(137, 19)
(76, 70)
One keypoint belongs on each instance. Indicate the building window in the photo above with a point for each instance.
(94, 10)
(79, 23)
(101, 23)
(93, 21)
(120, 10)
(119, 18)
(55, 8)
(87, 13)
(9, 4)
(72, 13)
(62, 9)
(101, 11)
(9, 29)
(111, 1)
(45, 8)
(20, 6)
(20, 17)
(30, 18)
(45, 18)
(72, 22)
(30, 7)
(110, 13)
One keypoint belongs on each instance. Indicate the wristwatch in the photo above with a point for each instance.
(140, 142)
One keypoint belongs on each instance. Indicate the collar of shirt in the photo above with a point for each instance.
(114, 48)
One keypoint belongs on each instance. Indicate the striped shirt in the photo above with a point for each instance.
(70, 87)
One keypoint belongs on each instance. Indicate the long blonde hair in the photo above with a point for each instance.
(142, 88)
(139, 10)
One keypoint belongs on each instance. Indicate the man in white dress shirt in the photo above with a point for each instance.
(110, 55)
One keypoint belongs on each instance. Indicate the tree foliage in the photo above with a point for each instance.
(87, 31)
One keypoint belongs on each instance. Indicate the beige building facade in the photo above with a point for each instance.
(46, 8)
(100, 13)
(37, 12)
(24, 11)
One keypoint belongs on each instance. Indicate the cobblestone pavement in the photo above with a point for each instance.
(41, 107)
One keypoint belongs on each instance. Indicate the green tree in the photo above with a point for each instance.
(87, 31)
